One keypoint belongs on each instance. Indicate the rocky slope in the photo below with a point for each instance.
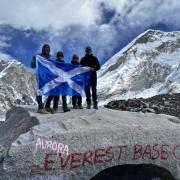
(148, 66)
(165, 103)
(17, 85)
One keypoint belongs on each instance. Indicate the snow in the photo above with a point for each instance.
(4, 71)
(116, 80)
(17, 85)
(171, 59)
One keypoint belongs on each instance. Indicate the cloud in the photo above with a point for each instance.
(106, 25)
(60, 14)
(43, 14)
(5, 57)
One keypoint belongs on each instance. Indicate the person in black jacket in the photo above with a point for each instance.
(60, 58)
(91, 61)
(76, 100)
(46, 54)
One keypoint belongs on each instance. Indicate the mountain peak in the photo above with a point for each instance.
(17, 85)
(143, 68)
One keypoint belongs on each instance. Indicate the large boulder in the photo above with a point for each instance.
(99, 143)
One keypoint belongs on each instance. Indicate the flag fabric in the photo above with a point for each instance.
(56, 78)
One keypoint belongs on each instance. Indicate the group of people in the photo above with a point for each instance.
(89, 60)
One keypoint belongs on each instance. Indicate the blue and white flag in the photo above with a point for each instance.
(57, 78)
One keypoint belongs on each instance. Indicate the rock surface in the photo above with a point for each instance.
(97, 140)
(166, 104)
(18, 121)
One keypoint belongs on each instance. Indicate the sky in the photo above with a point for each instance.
(69, 26)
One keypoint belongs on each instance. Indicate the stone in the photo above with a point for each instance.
(97, 141)
(165, 104)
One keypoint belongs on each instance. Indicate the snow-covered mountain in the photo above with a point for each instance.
(148, 66)
(16, 85)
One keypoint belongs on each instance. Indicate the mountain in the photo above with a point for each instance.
(148, 66)
(16, 85)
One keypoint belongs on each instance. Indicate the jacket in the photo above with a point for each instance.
(92, 62)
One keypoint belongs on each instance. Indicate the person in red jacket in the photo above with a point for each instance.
(91, 61)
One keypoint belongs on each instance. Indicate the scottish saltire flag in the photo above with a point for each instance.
(57, 78)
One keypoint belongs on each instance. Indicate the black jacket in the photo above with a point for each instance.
(91, 61)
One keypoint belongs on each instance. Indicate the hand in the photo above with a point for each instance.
(34, 58)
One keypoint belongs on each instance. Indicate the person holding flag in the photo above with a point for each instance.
(55, 78)
(76, 100)
(60, 58)
(89, 60)
(46, 54)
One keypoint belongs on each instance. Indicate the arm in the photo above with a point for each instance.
(97, 65)
(82, 62)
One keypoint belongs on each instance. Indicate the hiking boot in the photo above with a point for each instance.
(66, 109)
(95, 107)
(42, 111)
(54, 111)
(49, 110)
(88, 106)
(75, 107)
(80, 107)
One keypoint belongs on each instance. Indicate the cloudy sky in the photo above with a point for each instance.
(69, 26)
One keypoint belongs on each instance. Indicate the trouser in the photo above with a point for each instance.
(91, 87)
(55, 102)
(39, 101)
(76, 100)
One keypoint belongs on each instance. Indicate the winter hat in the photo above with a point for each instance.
(59, 54)
(45, 46)
(88, 49)
(75, 57)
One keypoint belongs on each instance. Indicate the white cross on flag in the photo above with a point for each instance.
(56, 78)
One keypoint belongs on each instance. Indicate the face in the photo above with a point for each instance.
(88, 52)
(46, 51)
(60, 58)
(76, 60)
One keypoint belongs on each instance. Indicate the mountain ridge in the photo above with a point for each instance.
(149, 63)
(17, 85)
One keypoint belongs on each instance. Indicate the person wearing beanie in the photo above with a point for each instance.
(60, 58)
(46, 54)
(76, 100)
(89, 60)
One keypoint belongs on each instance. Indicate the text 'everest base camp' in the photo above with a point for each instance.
(133, 135)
